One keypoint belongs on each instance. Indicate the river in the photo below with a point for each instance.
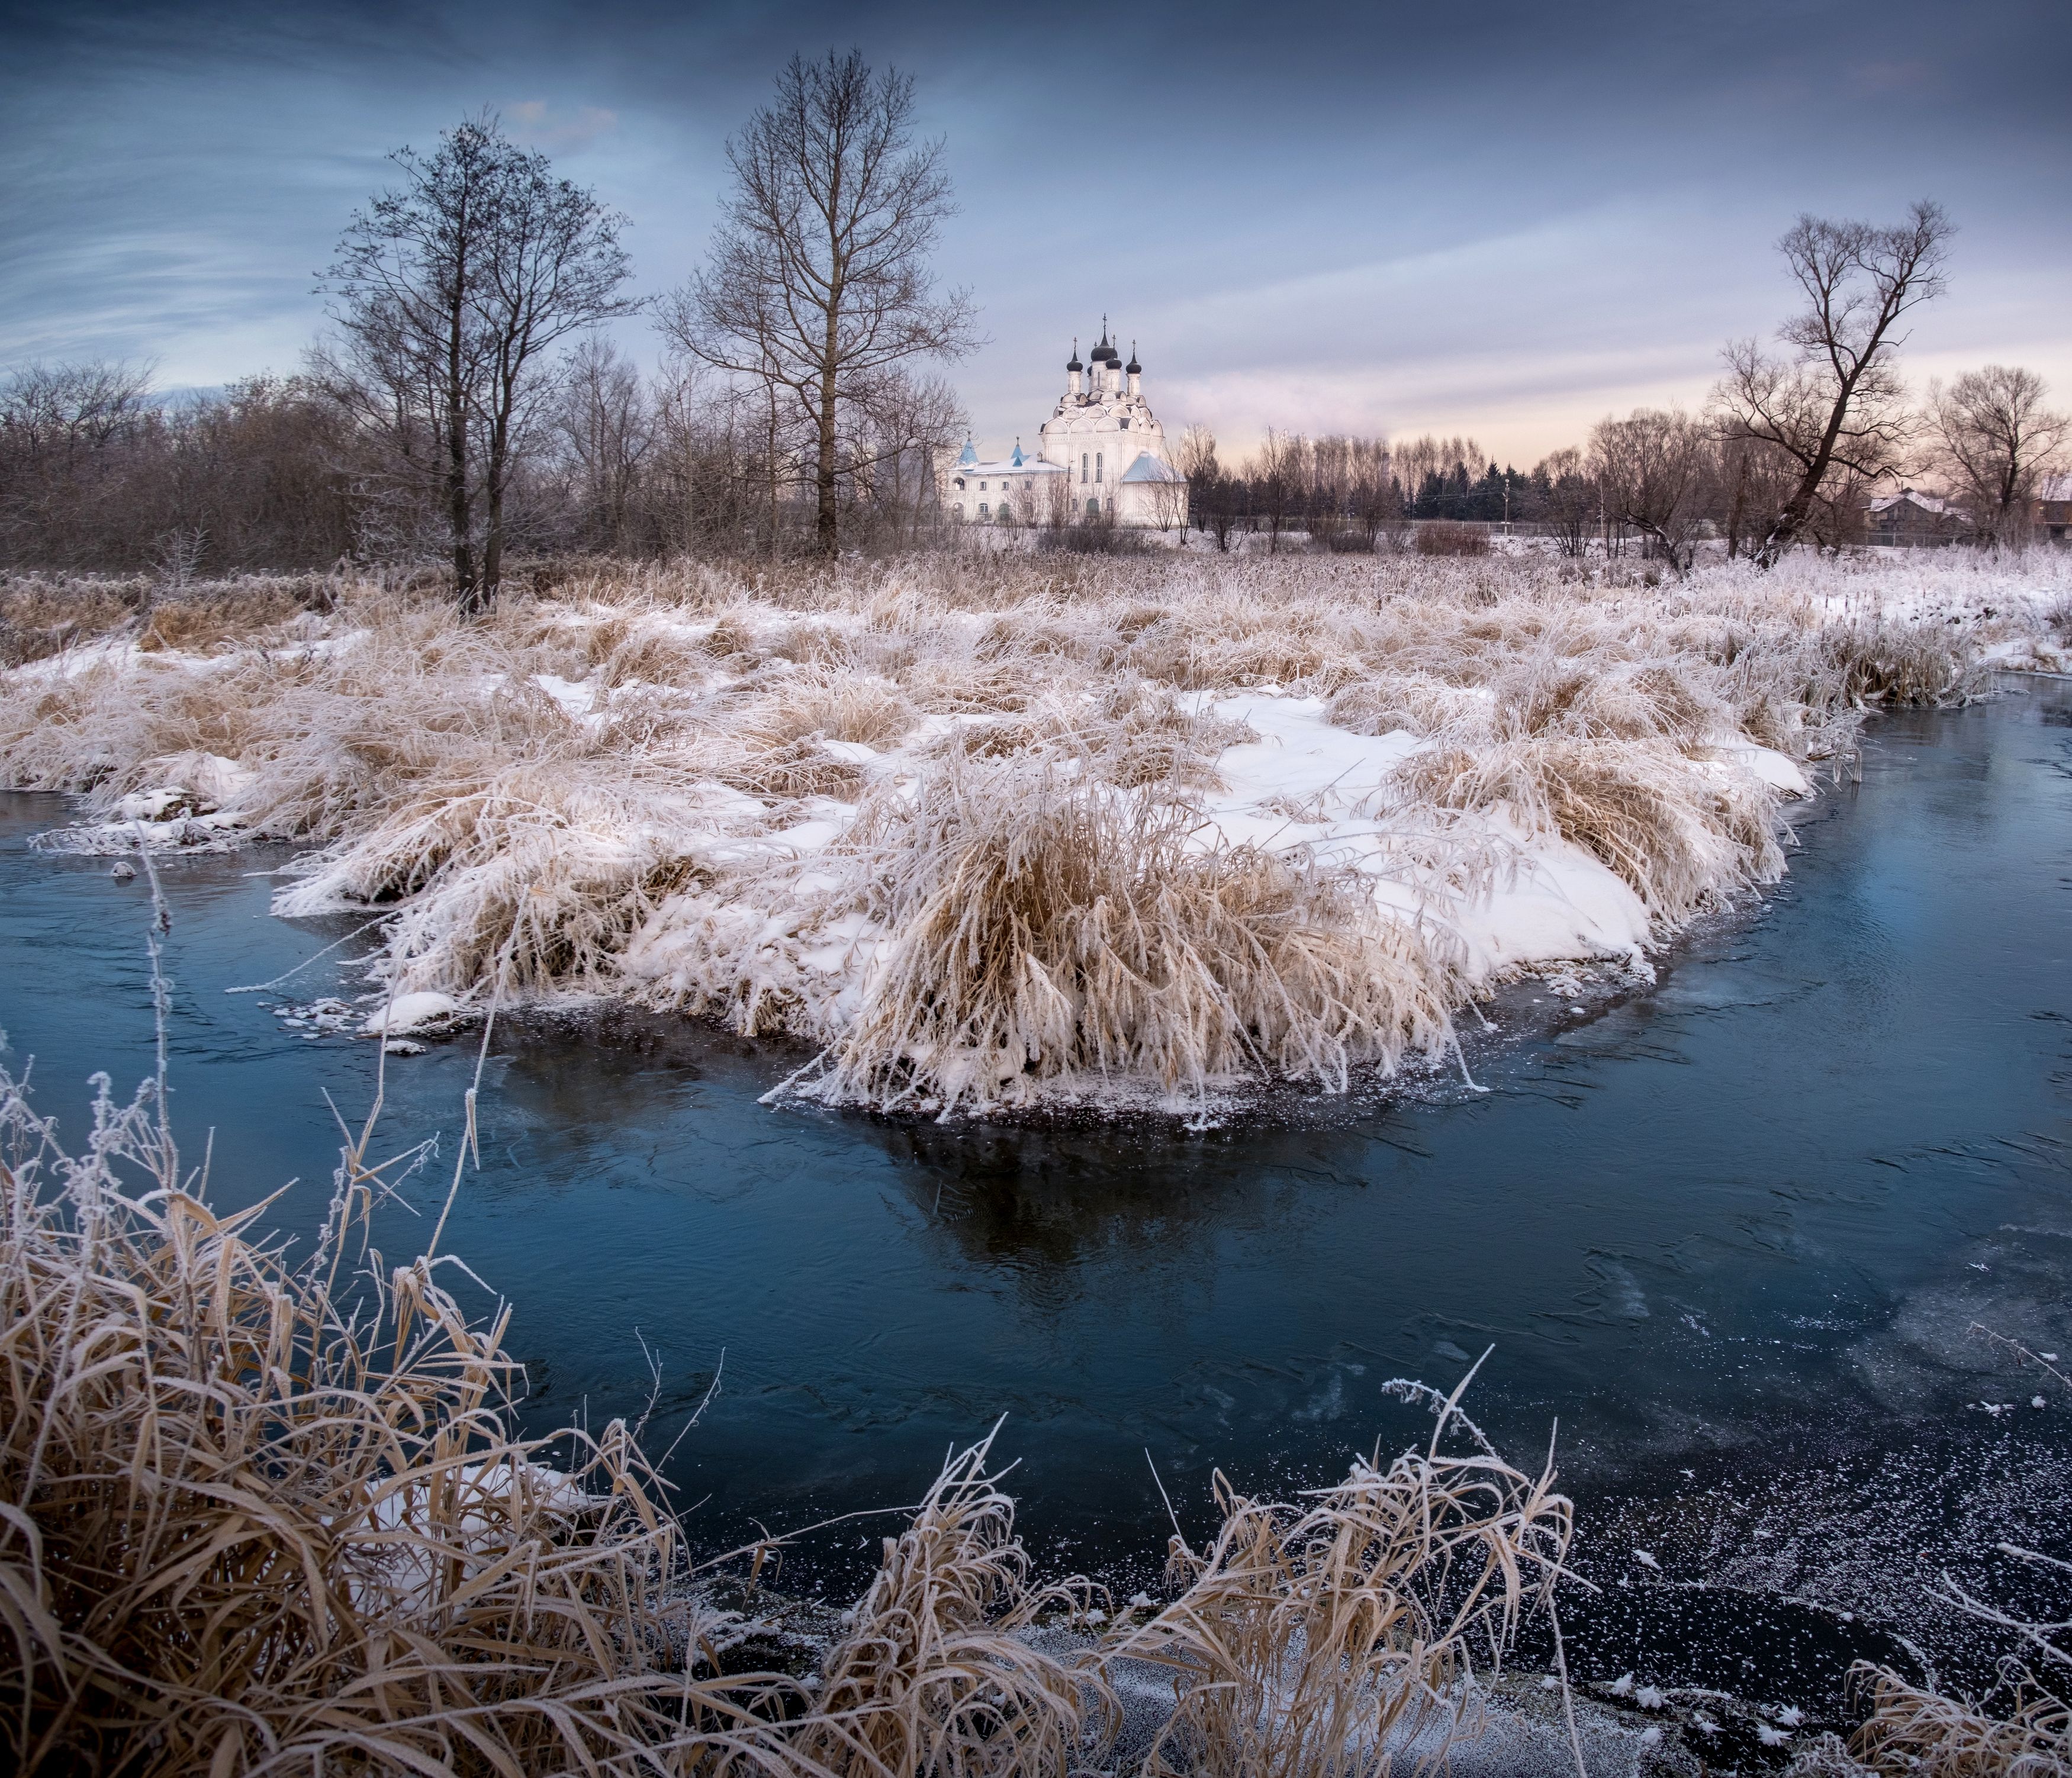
(1732, 1229)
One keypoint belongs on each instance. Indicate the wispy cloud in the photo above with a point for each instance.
(1514, 218)
(539, 124)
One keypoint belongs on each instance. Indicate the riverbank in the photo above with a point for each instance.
(990, 834)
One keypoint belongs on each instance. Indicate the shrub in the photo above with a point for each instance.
(1448, 537)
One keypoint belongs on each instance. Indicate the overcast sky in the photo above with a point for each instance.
(1499, 219)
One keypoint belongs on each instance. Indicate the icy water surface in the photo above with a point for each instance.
(1732, 1231)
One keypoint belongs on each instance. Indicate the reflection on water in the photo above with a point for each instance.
(1757, 1206)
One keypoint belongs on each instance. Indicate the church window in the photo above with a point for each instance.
(981, 488)
(1093, 506)
(960, 481)
(1097, 466)
(957, 512)
(1126, 426)
(983, 510)
(1083, 465)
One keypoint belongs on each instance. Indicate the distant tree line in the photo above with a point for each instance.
(467, 403)
(1790, 451)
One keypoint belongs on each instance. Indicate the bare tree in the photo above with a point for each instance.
(1276, 480)
(1994, 440)
(893, 443)
(452, 291)
(1195, 459)
(1575, 505)
(605, 429)
(1833, 402)
(1755, 480)
(1373, 503)
(68, 433)
(53, 412)
(819, 284)
(1655, 470)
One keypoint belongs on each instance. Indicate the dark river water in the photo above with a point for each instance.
(1732, 1230)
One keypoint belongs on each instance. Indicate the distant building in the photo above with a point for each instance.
(1910, 519)
(1100, 456)
(2053, 509)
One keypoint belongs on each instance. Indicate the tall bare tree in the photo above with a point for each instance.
(819, 284)
(605, 428)
(1655, 469)
(450, 292)
(1994, 440)
(1833, 401)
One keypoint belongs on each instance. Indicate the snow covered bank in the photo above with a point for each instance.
(1003, 832)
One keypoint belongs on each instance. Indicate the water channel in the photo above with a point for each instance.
(1732, 1229)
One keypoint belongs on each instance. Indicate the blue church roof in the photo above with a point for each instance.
(970, 453)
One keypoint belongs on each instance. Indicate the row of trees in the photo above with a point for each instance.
(465, 404)
(1795, 442)
(287, 473)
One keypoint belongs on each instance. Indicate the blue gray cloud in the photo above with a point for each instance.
(1505, 219)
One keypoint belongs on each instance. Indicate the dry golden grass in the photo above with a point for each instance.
(1313, 1639)
(1920, 1734)
(933, 1677)
(260, 1518)
(1680, 837)
(1049, 928)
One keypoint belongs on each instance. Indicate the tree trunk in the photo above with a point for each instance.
(827, 541)
(456, 397)
(492, 546)
(769, 464)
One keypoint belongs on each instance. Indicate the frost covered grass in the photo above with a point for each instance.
(1914, 1731)
(265, 1516)
(1322, 1636)
(258, 1515)
(998, 830)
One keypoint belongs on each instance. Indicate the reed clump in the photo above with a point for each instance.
(1051, 930)
(259, 1517)
(1914, 1730)
(935, 1674)
(1682, 838)
(1323, 1634)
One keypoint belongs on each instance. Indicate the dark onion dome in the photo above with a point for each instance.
(1073, 363)
(1132, 367)
(1104, 353)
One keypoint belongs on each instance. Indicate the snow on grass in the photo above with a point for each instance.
(994, 831)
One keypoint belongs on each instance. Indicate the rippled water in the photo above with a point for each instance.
(1732, 1230)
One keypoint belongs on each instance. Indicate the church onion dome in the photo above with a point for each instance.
(1132, 367)
(1073, 363)
(1104, 353)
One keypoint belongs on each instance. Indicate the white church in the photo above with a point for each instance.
(1100, 456)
